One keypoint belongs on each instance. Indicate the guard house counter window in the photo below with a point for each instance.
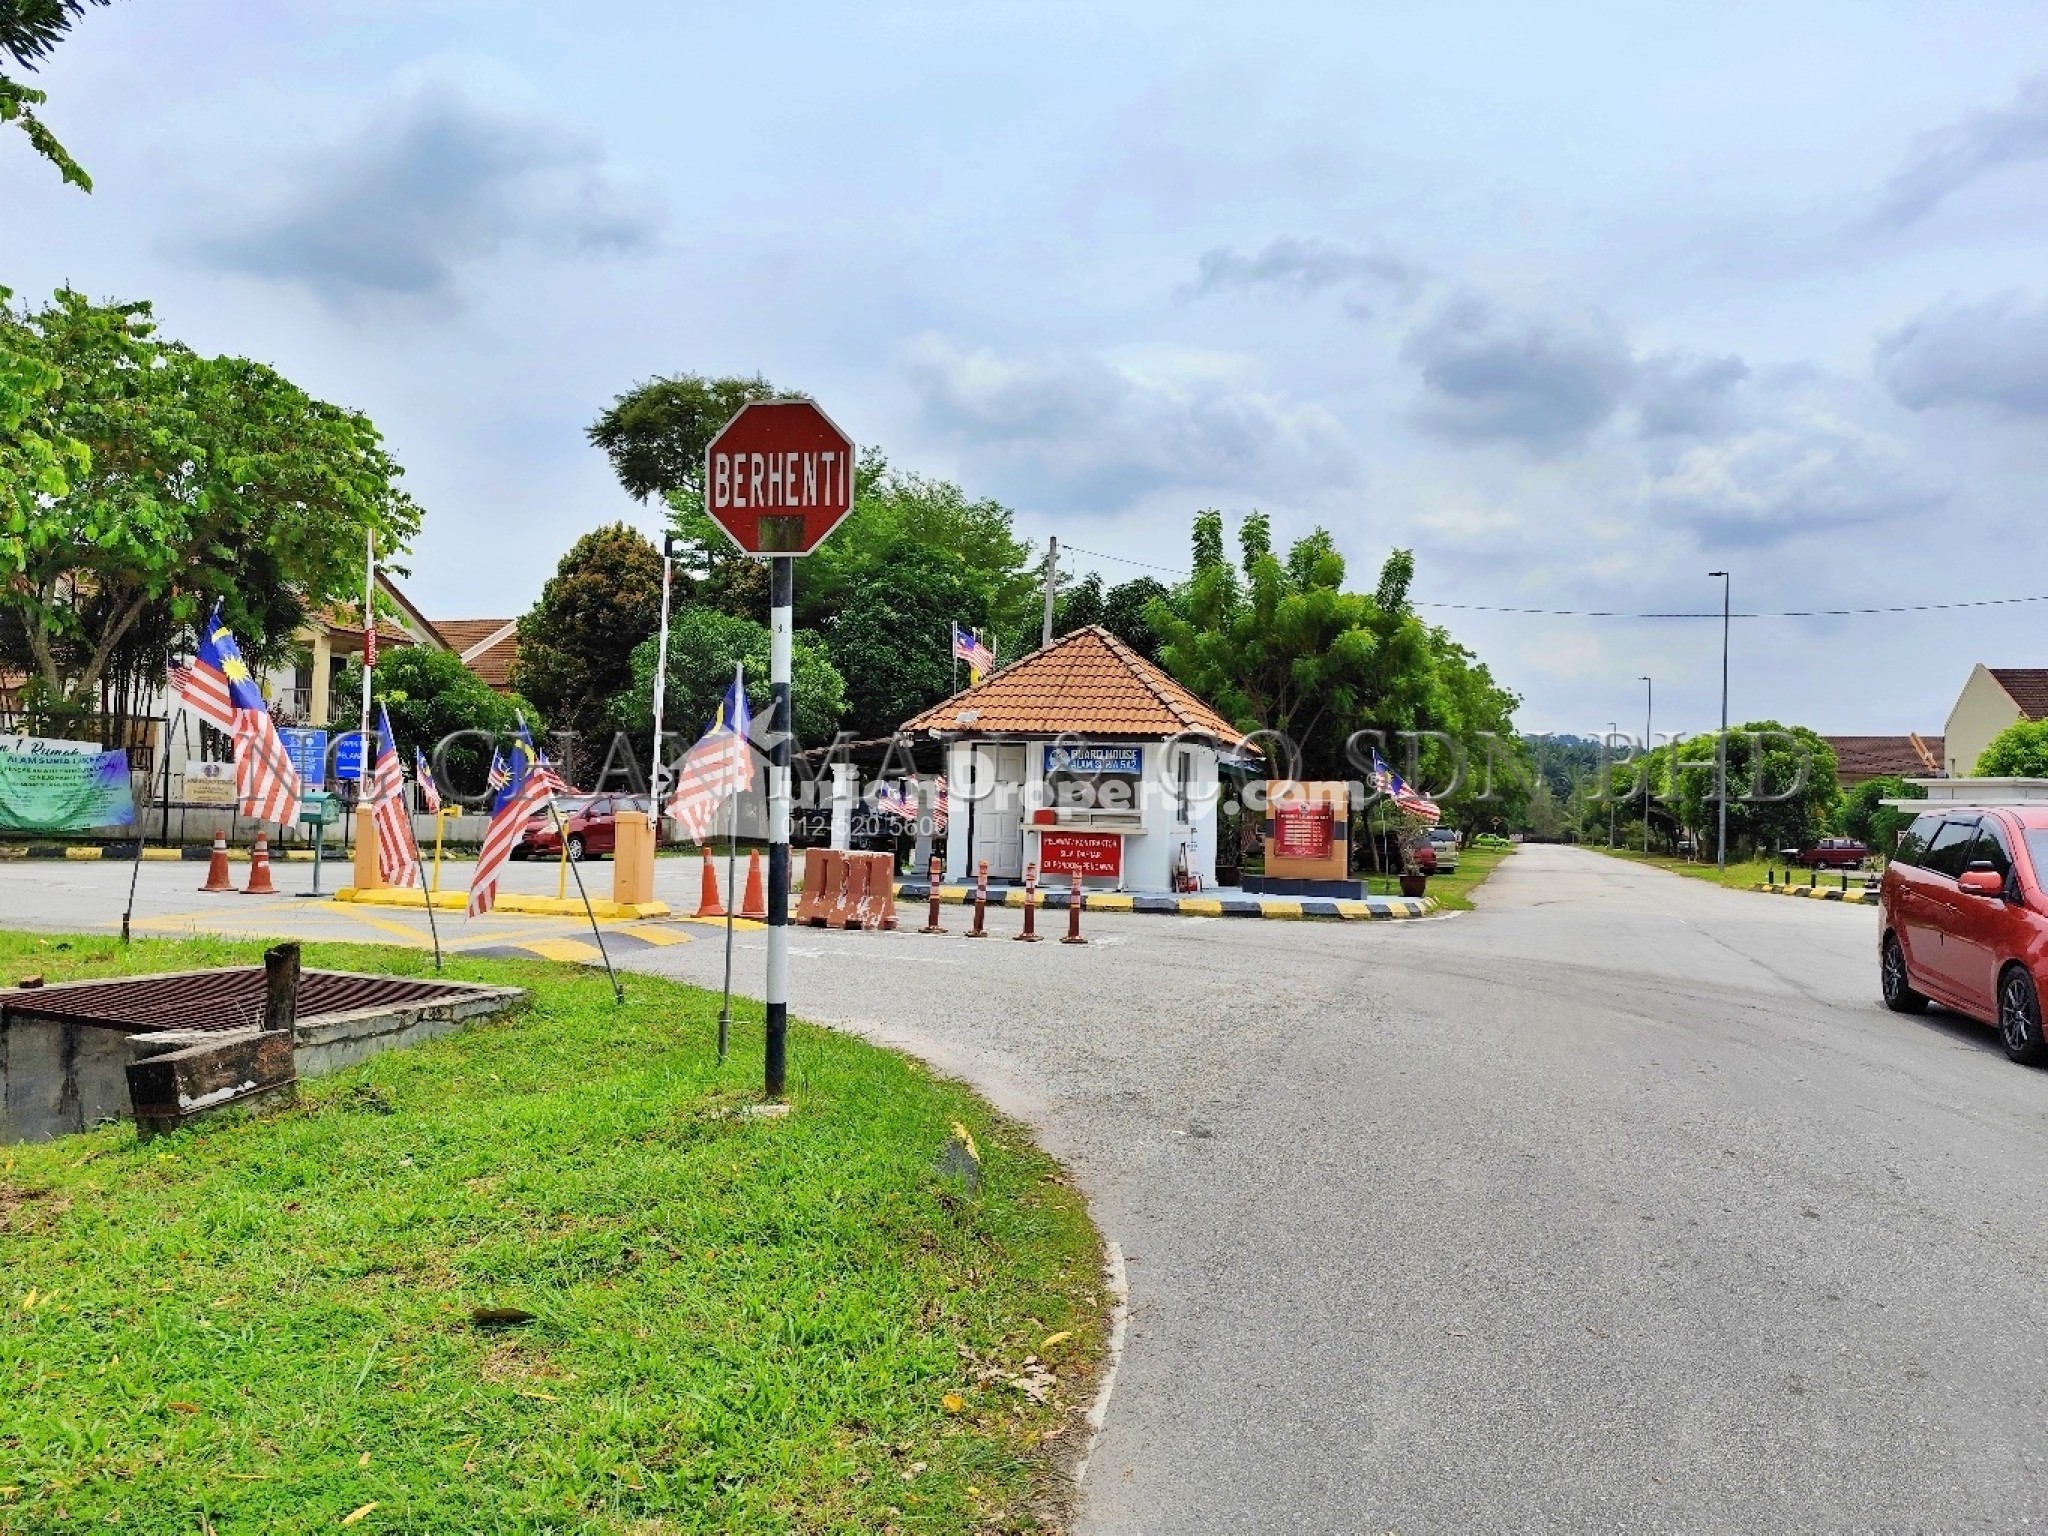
(1094, 785)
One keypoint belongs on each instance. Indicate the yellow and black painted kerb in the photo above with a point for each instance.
(1862, 896)
(89, 853)
(1367, 909)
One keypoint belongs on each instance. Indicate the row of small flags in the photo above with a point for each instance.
(217, 686)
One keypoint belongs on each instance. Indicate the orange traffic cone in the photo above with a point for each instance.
(217, 866)
(709, 905)
(259, 869)
(754, 905)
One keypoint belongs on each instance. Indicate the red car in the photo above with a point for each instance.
(1834, 853)
(1964, 921)
(592, 828)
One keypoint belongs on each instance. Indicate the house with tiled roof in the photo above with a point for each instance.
(1861, 758)
(1992, 699)
(1082, 756)
(488, 647)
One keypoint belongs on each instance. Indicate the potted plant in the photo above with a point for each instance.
(1413, 838)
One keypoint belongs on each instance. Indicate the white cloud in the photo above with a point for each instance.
(1088, 430)
(436, 180)
(1494, 374)
(1993, 353)
(1951, 158)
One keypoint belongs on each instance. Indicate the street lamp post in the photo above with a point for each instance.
(1612, 731)
(1721, 749)
(1649, 716)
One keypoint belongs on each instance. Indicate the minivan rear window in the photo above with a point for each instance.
(1914, 840)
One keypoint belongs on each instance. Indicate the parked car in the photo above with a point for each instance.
(589, 821)
(1833, 853)
(1445, 841)
(1964, 921)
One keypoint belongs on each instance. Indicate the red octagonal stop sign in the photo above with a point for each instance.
(778, 477)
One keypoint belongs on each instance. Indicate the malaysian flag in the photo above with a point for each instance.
(423, 775)
(398, 856)
(895, 800)
(266, 783)
(721, 764)
(1407, 800)
(201, 689)
(531, 785)
(499, 779)
(967, 647)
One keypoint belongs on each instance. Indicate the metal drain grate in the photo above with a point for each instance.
(217, 1000)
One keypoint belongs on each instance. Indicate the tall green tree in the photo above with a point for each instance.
(29, 30)
(1781, 787)
(2020, 751)
(437, 704)
(576, 643)
(202, 479)
(892, 641)
(1864, 816)
(704, 644)
(655, 435)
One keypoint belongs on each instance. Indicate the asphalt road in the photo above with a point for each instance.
(1620, 1204)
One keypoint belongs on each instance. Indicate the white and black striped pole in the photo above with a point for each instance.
(781, 602)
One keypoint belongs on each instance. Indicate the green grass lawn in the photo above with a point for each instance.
(265, 1324)
(1741, 875)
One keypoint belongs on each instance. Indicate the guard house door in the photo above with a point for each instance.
(999, 818)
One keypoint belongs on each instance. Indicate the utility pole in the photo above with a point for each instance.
(1721, 750)
(1612, 731)
(1649, 715)
(1052, 577)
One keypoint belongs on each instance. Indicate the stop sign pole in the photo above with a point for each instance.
(778, 479)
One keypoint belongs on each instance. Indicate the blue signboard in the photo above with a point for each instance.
(1122, 761)
(308, 750)
(348, 755)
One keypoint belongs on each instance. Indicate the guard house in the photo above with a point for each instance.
(1081, 756)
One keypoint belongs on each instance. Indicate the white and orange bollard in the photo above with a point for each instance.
(1074, 912)
(217, 866)
(259, 868)
(1030, 932)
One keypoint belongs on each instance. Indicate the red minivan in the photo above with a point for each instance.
(1965, 920)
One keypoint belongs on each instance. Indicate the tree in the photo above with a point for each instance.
(892, 642)
(1863, 816)
(204, 480)
(29, 30)
(656, 435)
(2020, 751)
(896, 516)
(576, 643)
(1781, 786)
(704, 644)
(433, 699)
(1079, 603)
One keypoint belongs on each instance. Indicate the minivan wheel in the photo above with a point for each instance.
(1898, 996)
(2019, 1017)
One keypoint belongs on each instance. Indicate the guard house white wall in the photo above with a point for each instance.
(1010, 779)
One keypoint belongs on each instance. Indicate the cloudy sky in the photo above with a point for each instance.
(1579, 301)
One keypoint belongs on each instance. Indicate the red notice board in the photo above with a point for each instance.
(1301, 831)
(1097, 855)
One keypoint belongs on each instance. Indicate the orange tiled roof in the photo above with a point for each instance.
(491, 662)
(1088, 682)
(2028, 688)
(1869, 757)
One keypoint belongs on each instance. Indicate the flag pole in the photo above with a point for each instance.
(562, 831)
(433, 926)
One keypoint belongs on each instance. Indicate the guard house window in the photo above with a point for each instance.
(1183, 787)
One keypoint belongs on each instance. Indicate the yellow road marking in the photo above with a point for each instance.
(739, 924)
(572, 950)
(655, 933)
(417, 937)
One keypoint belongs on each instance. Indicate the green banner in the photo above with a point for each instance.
(64, 791)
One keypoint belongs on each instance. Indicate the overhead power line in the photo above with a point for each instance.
(1622, 613)
(1782, 613)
